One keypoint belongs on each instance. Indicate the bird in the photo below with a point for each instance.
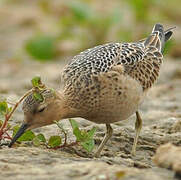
(103, 84)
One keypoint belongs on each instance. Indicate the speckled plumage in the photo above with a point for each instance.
(104, 84)
(132, 56)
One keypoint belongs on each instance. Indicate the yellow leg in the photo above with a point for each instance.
(104, 141)
(138, 126)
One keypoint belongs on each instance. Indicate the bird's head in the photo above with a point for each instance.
(41, 113)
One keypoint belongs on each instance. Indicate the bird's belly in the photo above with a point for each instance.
(116, 102)
(116, 111)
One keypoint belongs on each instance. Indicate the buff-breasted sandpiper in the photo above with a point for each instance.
(103, 84)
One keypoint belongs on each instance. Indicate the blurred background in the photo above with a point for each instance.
(40, 36)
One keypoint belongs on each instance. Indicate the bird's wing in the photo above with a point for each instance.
(101, 59)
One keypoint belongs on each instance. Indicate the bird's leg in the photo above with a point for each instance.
(138, 126)
(104, 141)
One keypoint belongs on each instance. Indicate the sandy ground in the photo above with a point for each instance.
(162, 123)
(161, 114)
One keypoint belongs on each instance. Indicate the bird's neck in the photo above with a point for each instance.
(65, 110)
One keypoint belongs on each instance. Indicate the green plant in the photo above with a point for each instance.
(6, 112)
(85, 138)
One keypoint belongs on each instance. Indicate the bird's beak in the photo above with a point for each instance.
(20, 132)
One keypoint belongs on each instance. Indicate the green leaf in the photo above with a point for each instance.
(27, 136)
(78, 134)
(41, 137)
(91, 133)
(54, 141)
(76, 131)
(38, 97)
(86, 138)
(74, 124)
(36, 141)
(41, 47)
(10, 109)
(3, 107)
(36, 81)
(88, 145)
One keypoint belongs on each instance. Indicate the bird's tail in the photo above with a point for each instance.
(158, 37)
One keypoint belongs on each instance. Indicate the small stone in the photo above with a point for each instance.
(168, 156)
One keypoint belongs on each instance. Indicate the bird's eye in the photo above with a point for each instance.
(41, 109)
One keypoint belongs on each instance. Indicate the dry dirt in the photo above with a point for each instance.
(162, 123)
